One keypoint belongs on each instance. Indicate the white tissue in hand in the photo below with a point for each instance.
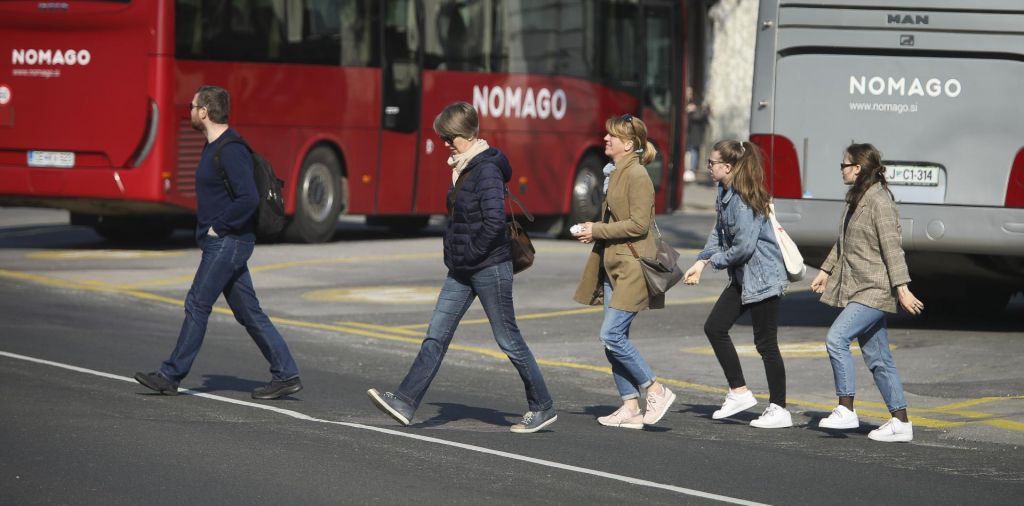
(575, 229)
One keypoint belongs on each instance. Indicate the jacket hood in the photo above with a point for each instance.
(495, 156)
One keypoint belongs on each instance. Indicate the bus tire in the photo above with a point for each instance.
(321, 194)
(586, 194)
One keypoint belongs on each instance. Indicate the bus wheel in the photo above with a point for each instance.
(586, 195)
(320, 196)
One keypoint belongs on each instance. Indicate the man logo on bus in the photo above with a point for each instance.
(505, 102)
(907, 19)
(50, 57)
(903, 87)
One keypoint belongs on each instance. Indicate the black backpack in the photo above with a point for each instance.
(270, 217)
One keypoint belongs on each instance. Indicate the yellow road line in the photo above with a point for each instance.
(974, 402)
(385, 328)
(387, 333)
(553, 314)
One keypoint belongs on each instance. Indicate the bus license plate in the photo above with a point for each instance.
(61, 159)
(912, 175)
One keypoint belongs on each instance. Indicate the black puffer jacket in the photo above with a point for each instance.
(476, 237)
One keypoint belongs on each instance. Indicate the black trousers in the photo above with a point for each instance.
(765, 316)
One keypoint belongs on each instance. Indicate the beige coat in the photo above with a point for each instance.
(866, 264)
(631, 201)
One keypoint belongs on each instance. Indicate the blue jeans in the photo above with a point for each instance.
(629, 369)
(867, 325)
(494, 287)
(223, 269)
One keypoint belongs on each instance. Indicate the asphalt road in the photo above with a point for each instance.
(80, 316)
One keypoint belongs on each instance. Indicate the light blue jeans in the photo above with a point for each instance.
(629, 369)
(867, 326)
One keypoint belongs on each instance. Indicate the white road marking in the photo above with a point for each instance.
(473, 448)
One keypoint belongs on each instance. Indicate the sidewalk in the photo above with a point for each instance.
(699, 196)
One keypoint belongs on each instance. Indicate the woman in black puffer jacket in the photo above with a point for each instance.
(476, 252)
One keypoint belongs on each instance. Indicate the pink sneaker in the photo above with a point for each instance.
(623, 417)
(657, 405)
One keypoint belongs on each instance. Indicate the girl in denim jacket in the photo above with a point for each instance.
(743, 243)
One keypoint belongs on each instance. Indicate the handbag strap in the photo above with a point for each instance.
(512, 198)
(629, 244)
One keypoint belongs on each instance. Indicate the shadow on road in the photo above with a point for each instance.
(804, 309)
(448, 412)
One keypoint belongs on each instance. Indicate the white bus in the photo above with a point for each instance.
(938, 87)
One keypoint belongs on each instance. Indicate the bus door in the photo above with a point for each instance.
(400, 107)
(661, 95)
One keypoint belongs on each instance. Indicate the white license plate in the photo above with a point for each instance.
(62, 159)
(912, 175)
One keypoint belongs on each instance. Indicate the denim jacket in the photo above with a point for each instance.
(744, 244)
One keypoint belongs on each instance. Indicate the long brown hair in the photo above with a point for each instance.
(747, 173)
(630, 129)
(871, 171)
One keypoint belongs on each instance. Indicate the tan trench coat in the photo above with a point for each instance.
(631, 201)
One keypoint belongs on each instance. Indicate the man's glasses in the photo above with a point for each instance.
(194, 106)
(845, 165)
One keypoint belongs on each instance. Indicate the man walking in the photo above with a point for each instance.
(226, 232)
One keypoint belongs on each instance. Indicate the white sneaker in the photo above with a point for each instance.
(893, 431)
(841, 418)
(734, 403)
(774, 417)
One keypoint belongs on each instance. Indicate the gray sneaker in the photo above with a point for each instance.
(535, 420)
(392, 406)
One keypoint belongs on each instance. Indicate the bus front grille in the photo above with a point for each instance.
(190, 149)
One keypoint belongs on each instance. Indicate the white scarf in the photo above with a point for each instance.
(458, 161)
(608, 169)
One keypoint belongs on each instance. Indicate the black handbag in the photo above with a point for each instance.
(661, 272)
(520, 245)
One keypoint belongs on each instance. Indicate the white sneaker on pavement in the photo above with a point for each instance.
(841, 418)
(734, 403)
(774, 417)
(893, 431)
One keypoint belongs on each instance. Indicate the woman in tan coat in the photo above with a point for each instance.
(613, 275)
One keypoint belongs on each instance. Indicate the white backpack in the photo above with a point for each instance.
(795, 267)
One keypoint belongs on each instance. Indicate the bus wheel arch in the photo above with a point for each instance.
(321, 195)
(585, 194)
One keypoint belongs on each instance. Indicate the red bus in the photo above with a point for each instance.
(339, 95)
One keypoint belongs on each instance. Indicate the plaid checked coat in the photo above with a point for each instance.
(866, 263)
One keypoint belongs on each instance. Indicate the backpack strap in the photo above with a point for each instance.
(220, 168)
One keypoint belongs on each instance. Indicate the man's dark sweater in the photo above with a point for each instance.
(215, 207)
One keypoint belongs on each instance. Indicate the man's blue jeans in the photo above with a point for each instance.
(866, 325)
(494, 287)
(223, 269)
(629, 369)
